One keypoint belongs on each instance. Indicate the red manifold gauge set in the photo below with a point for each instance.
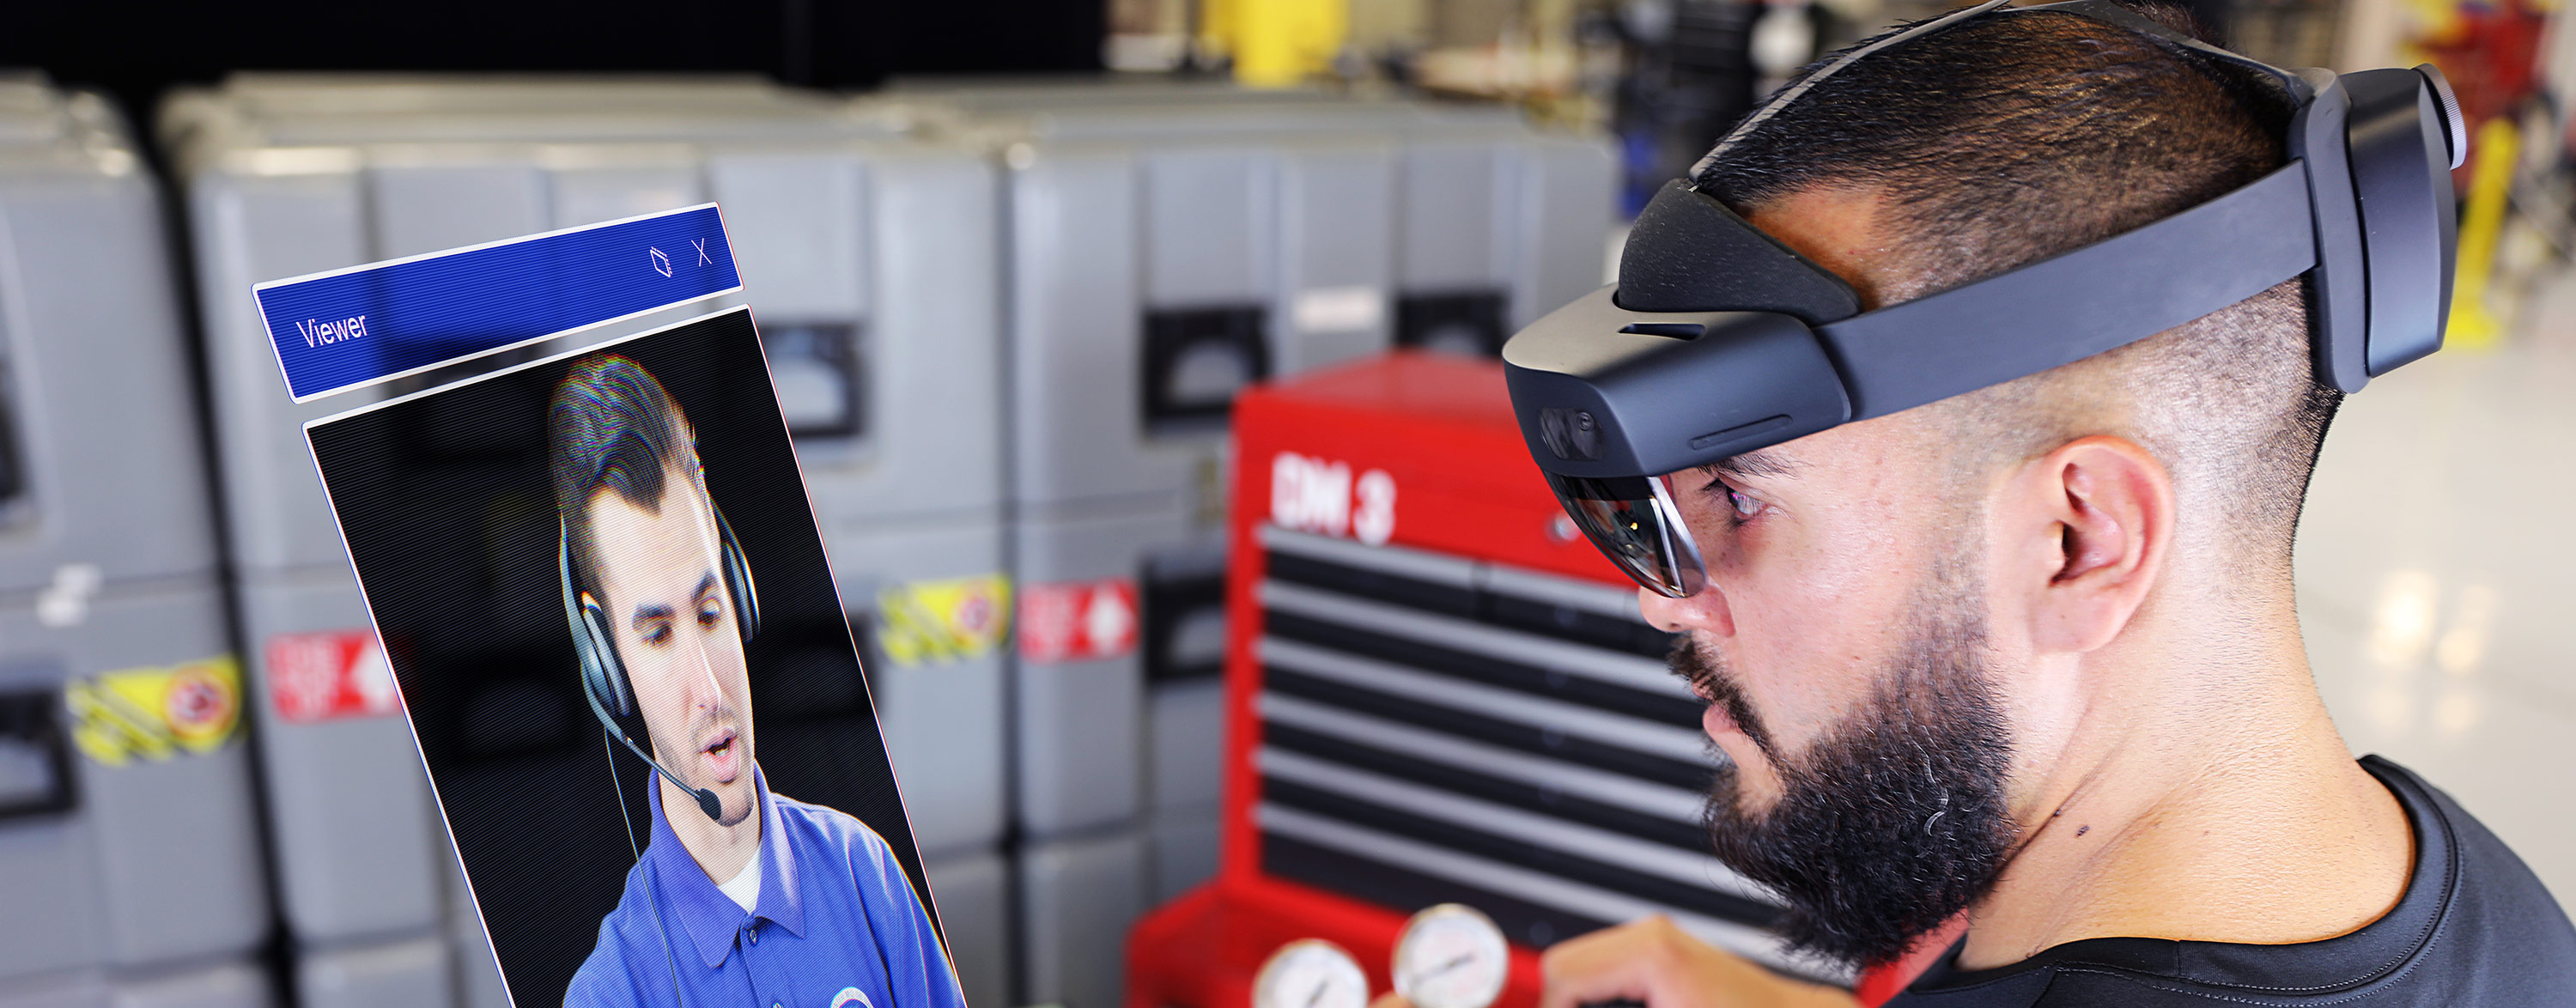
(1451, 740)
(1450, 956)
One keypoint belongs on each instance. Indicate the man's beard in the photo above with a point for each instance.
(1894, 821)
(685, 771)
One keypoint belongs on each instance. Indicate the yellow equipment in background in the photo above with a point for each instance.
(2475, 324)
(1276, 43)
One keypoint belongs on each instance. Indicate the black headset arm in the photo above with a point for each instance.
(2134, 285)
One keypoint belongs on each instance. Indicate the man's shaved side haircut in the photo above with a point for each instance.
(2013, 137)
(612, 426)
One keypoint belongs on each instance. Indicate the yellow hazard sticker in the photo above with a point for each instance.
(156, 713)
(921, 622)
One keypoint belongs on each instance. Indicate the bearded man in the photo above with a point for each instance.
(2015, 677)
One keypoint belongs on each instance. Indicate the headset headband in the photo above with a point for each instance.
(1718, 340)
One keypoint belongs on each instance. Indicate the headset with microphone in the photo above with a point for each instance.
(603, 674)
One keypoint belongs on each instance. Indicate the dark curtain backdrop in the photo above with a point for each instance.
(136, 50)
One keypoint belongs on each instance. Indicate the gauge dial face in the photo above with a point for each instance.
(1451, 956)
(1310, 973)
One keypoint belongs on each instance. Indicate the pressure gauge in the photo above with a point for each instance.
(1451, 956)
(1310, 973)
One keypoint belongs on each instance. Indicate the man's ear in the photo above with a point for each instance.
(2091, 523)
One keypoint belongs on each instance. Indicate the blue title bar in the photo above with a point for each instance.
(339, 330)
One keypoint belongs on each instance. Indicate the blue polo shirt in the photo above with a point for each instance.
(836, 925)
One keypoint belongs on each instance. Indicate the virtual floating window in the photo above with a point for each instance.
(516, 717)
(809, 674)
(587, 715)
(863, 639)
(449, 374)
(673, 657)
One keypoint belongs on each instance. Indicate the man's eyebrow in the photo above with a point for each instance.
(706, 586)
(1760, 462)
(648, 613)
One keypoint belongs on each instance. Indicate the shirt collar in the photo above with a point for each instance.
(711, 918)
(2391, 944)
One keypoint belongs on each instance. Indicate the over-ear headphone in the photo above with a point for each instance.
(603, 674)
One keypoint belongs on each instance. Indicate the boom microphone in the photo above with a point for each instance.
(707, 802)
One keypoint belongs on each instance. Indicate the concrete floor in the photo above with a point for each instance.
(2437, 578)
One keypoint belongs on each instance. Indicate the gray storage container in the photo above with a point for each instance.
(873, 264)
(972, 890)
(128, 831)
(225, 985)
(1078, 896)
(129, 836)
(1169, 245)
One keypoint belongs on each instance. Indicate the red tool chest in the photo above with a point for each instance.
(1437, 691)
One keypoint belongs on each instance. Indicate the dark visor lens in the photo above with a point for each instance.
(1633, 521)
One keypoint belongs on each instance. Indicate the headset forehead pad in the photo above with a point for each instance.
(1689, 253)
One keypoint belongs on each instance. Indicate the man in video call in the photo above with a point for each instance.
(745, 897)
(2013, 682)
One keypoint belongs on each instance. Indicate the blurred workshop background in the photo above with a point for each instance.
(1015, 262)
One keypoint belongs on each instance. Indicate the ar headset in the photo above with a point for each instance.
(603, 675)
(1718, 340)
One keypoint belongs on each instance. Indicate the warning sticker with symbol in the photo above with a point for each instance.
(155, 713)
(330, 675)
(921, 622)
(1078, 620)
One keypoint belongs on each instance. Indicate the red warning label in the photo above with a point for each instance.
(330, 675)
(1078, 620)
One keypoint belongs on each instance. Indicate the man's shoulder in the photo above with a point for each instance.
(603, 978)
(828, 827)
(606, 976)
(2488, 869)
(2474, 929)
(2498, 916)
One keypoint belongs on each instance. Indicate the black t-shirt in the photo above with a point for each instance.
(2475, 930)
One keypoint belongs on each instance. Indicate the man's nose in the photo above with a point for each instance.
(698, 669)
(1704, 612)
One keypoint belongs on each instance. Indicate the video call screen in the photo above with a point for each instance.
(606, 605)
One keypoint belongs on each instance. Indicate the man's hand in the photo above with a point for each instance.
(1652, 961)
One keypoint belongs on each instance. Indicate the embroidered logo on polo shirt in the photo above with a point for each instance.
(852, 996)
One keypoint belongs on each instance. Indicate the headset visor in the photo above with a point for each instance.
(1633, 520)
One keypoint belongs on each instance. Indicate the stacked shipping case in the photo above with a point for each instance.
(874, 264)
(1170, 245)
(1162, 247)
(129, 833)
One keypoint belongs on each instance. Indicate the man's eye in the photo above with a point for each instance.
(709, 612)
(1745, 507)
(657, 633)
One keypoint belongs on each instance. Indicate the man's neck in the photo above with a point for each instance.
(2203, 796)
(721, 851)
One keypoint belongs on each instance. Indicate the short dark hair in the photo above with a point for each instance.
(2012, 137)
(612, 426)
